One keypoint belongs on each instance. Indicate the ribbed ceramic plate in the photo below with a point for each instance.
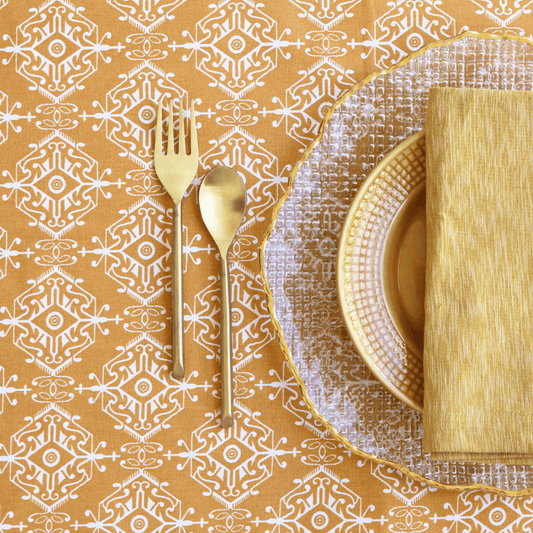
(299, 254)
(381, 270)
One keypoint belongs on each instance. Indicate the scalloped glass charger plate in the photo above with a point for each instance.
(299, 257)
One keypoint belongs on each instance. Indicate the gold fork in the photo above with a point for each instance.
(176, 172)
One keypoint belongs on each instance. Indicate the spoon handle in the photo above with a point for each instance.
(226, 348)
(177, 295)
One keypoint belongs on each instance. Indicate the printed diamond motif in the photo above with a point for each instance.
(7, 390)
(489, 512)
(138, 520)
(238, 45)
(503, 12)
(309, 99)
(138, 251)
(326, 13)
(320, 518)
(142, 505)
(54, 321)
(322, 502)
(131, 111)
(57, 185)
(51, 457)
(231, 463)
(57, 48)
(137, 389)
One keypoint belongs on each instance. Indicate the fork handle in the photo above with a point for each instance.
(226, 348)
(178, 370)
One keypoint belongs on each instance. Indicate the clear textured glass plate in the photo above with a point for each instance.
(300, 251)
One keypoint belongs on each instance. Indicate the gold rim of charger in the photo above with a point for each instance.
(270, 297)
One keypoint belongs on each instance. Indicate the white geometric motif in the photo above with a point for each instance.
(477, 510)
(49, 389)
(326, 44)
(55, 252)
(409, 515)
(137, 455)
(236, 45)
(255, 331)
(51, 457)
(138, 391)
(146, 183)
(137, 250)
(202, 317)
(57, 48)
(232, 463)
(57, 116)
(324, 451)
(54, 321)
(192, 250)
(50, 522)
(231, 520)
(8, 116)
(322, 502)
(146, 46)
(237, 112)
(131, 111)
(141, 505)
(292, 400)
(145, 318)
(57, 184)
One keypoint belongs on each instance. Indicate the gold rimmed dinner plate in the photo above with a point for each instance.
(381, 259)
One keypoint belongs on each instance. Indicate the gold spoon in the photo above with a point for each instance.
(222, 204)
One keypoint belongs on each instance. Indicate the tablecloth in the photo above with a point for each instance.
(94, 433)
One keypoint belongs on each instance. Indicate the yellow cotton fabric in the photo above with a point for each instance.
(478, 345)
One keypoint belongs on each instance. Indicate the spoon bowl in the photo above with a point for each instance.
(222, 204)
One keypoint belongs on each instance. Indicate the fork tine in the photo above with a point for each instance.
(158, 148)
(181, 139)
(170, 145)
(194, 138)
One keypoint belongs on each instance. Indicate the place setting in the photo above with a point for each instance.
(397, 266)
(266, 266)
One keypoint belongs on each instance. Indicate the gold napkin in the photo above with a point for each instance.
(478, 340)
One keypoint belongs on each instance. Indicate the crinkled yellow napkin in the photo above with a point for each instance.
(478, 338)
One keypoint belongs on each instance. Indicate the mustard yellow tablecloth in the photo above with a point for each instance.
(478, 379)
(94, 435)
